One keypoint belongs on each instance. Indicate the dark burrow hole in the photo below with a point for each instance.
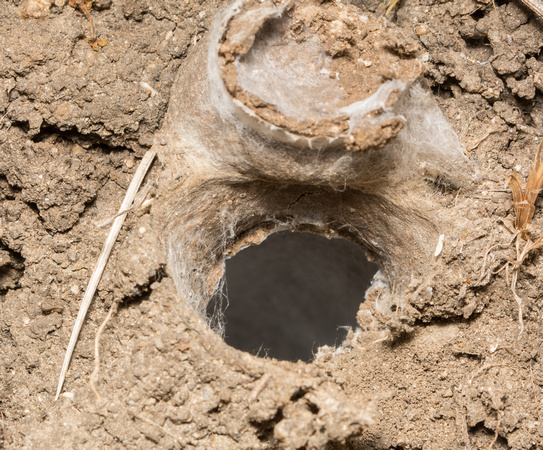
(293, 293)
(12, 266)
(478, 14)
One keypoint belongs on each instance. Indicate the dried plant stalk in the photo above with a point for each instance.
(524, 205)
(390, 6)
(102, 261)
(524, 201)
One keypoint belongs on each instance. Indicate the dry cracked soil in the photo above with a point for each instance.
(453, 373)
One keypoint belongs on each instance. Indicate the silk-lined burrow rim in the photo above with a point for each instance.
(301, 116)
(317, 74)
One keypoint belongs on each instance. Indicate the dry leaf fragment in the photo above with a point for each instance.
(98, 43)
(535, 180)
(524, 204)
(524, 201)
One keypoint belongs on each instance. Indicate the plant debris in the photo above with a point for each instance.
(524, 201)
(85, 6)
(524, 205)
(390, 4)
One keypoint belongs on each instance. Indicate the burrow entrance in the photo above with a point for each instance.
(293, 293)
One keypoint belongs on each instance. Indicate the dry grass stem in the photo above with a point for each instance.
(140, 202)
(535, 5)
(259, 388)
(480, 140)
(84, 6)
(485, 260)
(518, 299)
(524, 204)
(524, 201)
(97, 351)
(102, 261)
(390, 4)
(497, 433)
(484, 367)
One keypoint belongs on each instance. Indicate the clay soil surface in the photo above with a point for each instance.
(450, 372)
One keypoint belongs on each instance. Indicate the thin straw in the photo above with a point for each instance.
(102, 261)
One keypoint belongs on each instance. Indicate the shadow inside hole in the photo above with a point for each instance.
(288, 295)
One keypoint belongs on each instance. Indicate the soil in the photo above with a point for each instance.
(450, 370)
(362, 52)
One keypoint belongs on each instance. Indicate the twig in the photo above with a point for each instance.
(102, 261)
(481, 369)
(535, 5)
(97, 351)
(503, 246)
(480, 140)
(139, 202)
(518, 299)
(85, 10)
(495, 435)
(259, 388)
